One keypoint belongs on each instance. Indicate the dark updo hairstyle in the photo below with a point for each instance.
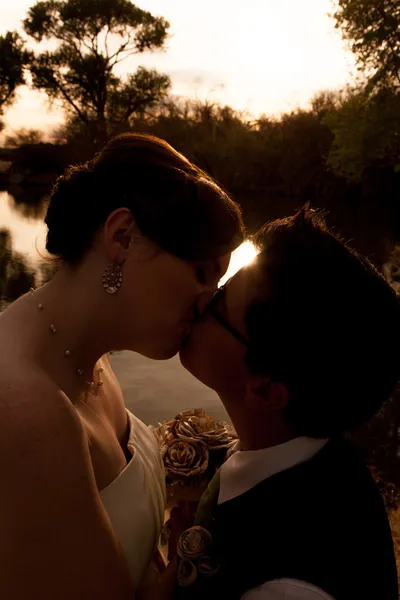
(174, 203)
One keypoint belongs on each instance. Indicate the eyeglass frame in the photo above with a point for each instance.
(211, 310)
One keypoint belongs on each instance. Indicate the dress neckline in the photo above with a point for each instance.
(130, 448)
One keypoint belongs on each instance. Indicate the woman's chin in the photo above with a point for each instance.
(185, 354)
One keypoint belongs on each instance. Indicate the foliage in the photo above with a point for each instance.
(373, 29)
(366, 130)
(13, 59)
(379, 442)
(366, 125)
(272, 166)
(379, 439)
(22, 137)
(243, 154)
(92, 38)
(43, 158)
(142, 90)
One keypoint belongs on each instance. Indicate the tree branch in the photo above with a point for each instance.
(106, 44)
(8, 96)
(383, 14)
(71, 102)
(117, 61)
(122, 48)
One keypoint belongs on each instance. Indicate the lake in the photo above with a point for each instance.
(153, 390)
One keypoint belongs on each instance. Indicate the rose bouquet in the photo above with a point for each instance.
(193, 446)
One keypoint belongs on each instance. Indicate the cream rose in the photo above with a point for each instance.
(195, 425)
(193, 446)
(184, 459)
(194, 543)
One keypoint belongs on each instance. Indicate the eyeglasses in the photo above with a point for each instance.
(212, 310)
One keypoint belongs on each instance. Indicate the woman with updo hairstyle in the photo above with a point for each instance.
(141, 237)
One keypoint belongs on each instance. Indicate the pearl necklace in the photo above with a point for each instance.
(94, 386)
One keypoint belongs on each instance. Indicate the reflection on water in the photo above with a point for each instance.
(30, 203)
(22, 214)
(15, 275)
(22, 239)
(22, 234)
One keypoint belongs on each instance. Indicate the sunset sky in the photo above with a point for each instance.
(261, 56)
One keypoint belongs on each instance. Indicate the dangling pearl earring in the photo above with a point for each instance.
(112, 278)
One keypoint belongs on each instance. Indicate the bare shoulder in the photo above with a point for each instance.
(41, 435)
(32, 405)
(40, 431)
(58, 540)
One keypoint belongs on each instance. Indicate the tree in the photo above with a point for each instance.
(366, 132)
(93, 37)
(373, 29)
(13, 59)
(141, 91)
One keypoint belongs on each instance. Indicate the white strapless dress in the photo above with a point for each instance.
(135, 501)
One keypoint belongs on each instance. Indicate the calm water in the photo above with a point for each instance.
(153, 390)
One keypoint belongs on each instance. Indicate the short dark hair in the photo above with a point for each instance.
(175, 204)
(324, 323)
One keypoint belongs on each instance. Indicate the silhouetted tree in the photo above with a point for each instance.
(372, 28)
(365, 130)
(13, 59)
(23, 136)
(92, 38)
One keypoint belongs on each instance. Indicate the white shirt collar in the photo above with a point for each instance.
(245, 469)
